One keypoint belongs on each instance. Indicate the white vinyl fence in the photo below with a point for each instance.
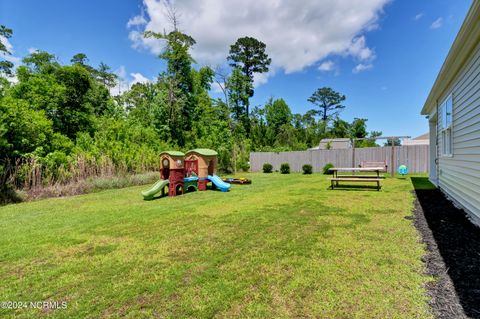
(415, 157)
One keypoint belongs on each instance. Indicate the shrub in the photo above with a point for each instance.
(285, 168)
(245, 167)
(267, 168)
(326, 169)
(307, 169)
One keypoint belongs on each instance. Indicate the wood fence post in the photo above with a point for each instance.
(353, 155)
(393, 159)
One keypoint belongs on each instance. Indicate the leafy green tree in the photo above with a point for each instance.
(41, 62)
(202, 81)
(152, 105)
(259, 128)
(309, 130)
(23, 132)
(372, 142)
(105, 76)
(4, 86)
(359, 128)
(395, 141)
(277, 113)
(80, 59)
(27, 130)
(40, 91)
(286, 137)
(177, 83)
(238, 87)
(5, 66)
(176, 53)
(62, 95)
(175, 104)
(140, 103)
(340, 128)
(248, 54)
(328, 101)
(74, 115)
(6, 33)
(98, 98)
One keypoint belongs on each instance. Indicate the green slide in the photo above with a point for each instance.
(157, 187)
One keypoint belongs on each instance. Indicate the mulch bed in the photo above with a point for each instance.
(453, 255)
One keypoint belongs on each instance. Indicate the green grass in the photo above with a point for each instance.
(283, 247)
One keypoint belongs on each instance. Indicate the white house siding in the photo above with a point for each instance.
(459, 175)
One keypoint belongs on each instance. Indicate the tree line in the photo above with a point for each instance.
(60, 116)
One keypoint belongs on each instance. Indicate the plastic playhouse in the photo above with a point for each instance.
(186, 173)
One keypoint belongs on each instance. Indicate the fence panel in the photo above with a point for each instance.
(416, 157)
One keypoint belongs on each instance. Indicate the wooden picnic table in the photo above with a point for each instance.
(357, 178)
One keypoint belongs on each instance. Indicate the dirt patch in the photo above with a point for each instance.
(453, 254)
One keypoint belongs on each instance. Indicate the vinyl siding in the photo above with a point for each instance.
(459, 175)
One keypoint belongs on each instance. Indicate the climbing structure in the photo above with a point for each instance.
(184, 173)
(172, 169)
(202, 162)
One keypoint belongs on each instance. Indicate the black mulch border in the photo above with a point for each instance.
(452, 255)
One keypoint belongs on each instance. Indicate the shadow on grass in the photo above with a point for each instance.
(354, 188)
(162, 194)
(185, 192)
(8, 195)
(458, 242)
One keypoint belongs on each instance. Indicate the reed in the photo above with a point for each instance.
(29, 178)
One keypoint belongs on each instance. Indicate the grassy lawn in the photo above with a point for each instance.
(285, 246)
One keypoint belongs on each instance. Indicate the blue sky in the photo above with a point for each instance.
(399, 46)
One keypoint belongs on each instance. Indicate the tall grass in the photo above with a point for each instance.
(30, 178)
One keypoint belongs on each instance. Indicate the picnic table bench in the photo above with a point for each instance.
(375, 164)
(357, 178)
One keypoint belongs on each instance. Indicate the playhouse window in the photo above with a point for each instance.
(165, 163)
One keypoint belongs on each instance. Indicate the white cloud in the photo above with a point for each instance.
(296, 36)
(122, 83)
(9, 57)
(136, 21)
(418, 16)
(14, 59)
(327, 66)
(218, 87)
(32, 50)
(262, 78)
(7, 43)
(358, 49)
(121, 72)
(138, 78)
(437, 23)
(362, 67)
(125, 81)
(13, 79)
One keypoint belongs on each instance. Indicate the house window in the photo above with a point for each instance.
(446, 111)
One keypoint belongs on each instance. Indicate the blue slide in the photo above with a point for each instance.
(217, 181)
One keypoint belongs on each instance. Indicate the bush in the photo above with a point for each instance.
(326, 169)
(307, 169)
(267, 168)
(285, 168)
(244, 166)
